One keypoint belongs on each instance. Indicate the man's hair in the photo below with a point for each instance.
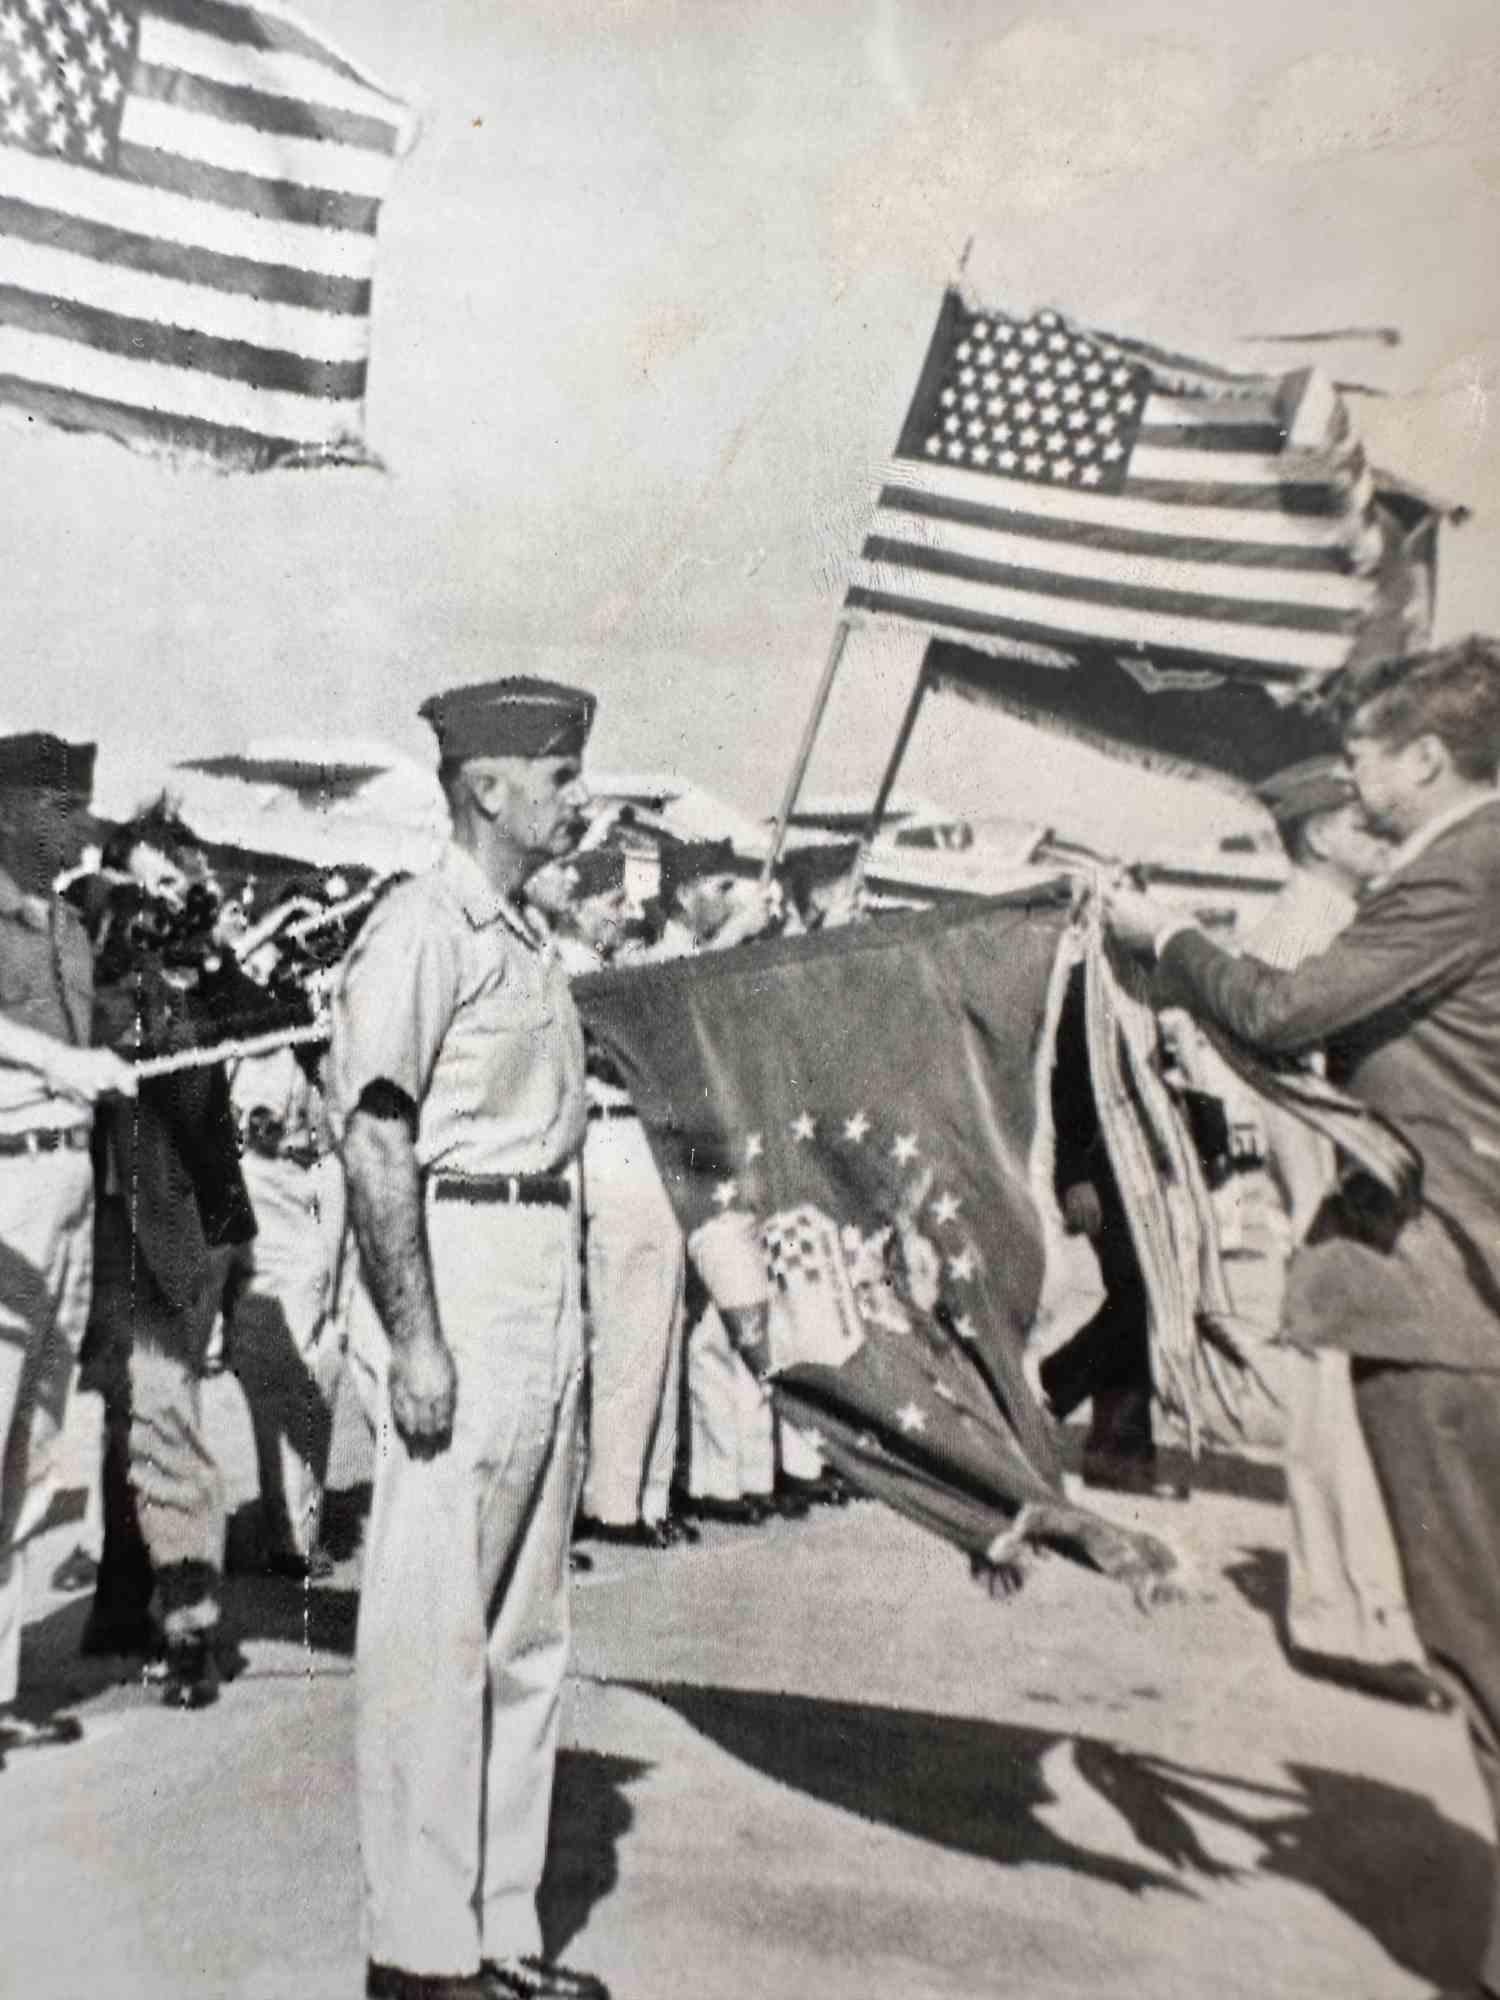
(1452, 693)
(450, 777)
(157, 825)
(1299, 837)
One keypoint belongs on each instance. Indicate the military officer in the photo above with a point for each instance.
(635, 1260)
(49, 1081)
(455, 1094)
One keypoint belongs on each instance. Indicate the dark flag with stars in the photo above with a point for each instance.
(1062, 491)
(870, 1107)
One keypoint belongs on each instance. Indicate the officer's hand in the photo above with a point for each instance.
(1133, 918)
(89, 1073)
(424, 1390)
(748, 1328)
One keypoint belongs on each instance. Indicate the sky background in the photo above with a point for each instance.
(655, 284)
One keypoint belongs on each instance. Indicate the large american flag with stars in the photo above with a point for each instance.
(189, 192)
(868, 1099)
(1062, 488)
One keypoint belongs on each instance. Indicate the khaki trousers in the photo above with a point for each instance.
(637, 1265)
(46, 1267)
(463, 1622)
(288, 1337)
(1345, 1591)
(732, 1433)
(800, 1459)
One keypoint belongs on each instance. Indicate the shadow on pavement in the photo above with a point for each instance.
(1225, 1472)
(1418, 1883)
(56, 1677)
(590, 1814)
(1260, 1577)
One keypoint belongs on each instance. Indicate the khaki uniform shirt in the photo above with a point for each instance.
(46, 982)
(450, 995)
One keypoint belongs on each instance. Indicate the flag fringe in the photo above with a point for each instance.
(350, 454)
(1159, 763)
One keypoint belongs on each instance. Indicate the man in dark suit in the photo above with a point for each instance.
(171, 1221)
(1407, 1003)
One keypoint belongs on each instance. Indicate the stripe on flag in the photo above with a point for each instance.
(1069, 489)
(189, 192)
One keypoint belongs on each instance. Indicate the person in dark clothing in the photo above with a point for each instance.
(1108, 1360)
(171, 1221)
(1406, 1000)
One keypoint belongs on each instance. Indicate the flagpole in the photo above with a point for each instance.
(895, 761)
(805, 748)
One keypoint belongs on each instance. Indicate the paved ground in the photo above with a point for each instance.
(810, 1760)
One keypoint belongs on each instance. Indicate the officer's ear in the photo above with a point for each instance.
(1430, 757)
(487, 780)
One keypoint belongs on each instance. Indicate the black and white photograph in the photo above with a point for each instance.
(749, 1000)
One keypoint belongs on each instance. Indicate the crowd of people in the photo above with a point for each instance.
(438, 1184)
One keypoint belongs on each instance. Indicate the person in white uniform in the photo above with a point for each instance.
(455, 1094)
(635, 1263)
(49, 1081)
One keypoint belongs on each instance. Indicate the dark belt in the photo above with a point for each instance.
(46, 1139)
(513, 1190)
(300, 1156)
(613, 1111)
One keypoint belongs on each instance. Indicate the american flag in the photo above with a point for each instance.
(188, 199)
(1060, 488)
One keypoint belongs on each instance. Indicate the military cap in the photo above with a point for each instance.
(595, 872)
(1317, 785)
(684, 861)
(518, 717)
(37, 762)
(809, 868)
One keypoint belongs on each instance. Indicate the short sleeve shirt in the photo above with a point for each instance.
(451, 996)
(46, 982)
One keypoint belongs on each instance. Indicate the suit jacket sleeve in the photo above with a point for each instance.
(1410, 943)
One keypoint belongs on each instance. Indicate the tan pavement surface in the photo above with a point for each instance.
(806, 1760)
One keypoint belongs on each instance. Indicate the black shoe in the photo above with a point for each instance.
(671, 1529)
(1132, 1473)
(623, 1534)
(534, 1978)
(193, 1672)
(787, 1501)
(298, 1568)
(18, 1732)
(76, 1571)
(389, 1982)
(827, 1490)
(667, 1533)
(580, 1562)
(743, 1513)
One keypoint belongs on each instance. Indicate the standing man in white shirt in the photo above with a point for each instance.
(50, 1079)
(454, 1091)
